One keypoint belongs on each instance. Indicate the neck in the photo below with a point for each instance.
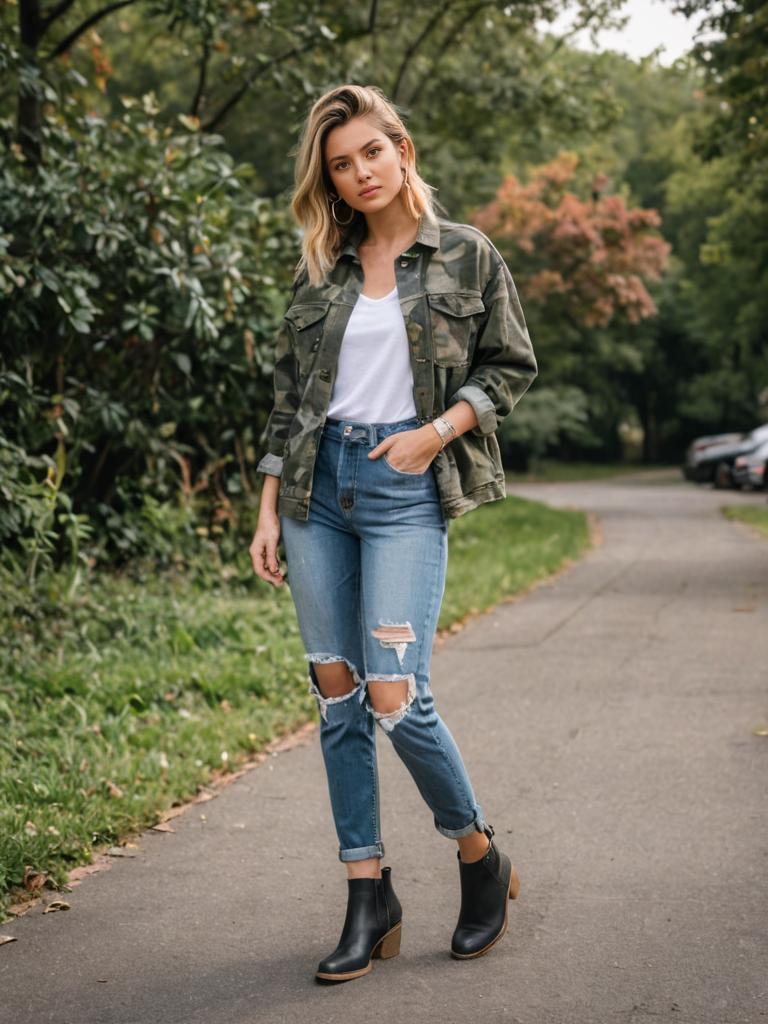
(386, 229)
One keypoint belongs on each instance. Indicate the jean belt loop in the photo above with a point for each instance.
(373, 435)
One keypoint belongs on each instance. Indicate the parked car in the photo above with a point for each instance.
(713, 462)
(752, 470)
(694, 451)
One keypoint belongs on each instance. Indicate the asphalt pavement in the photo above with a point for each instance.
(610, 720)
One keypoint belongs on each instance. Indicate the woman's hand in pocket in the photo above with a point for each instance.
(409, 451)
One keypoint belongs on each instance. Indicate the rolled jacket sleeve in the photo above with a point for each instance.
(503, 365)
(286, 402)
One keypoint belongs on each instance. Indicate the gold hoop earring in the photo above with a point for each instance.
(341, 223)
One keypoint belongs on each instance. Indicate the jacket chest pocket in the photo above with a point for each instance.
(308, 320)
(452, 315)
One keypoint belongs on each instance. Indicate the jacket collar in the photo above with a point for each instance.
(428, 236)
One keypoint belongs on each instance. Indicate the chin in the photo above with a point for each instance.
(381, 199)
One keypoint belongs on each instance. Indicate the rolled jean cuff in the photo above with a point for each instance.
(362, 852)
(478, 824)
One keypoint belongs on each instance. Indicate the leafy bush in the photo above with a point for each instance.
(141, 282)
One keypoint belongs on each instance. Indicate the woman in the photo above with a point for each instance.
(403, 347)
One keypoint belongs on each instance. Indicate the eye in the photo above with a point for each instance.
(343, 163)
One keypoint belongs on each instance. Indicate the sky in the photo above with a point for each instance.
(651, 23)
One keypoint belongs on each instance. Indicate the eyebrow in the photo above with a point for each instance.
(340, 156)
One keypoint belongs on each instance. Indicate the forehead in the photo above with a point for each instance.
(347, 138)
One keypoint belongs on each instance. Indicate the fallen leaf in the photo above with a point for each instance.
(34, 879)
(7, 938)
(56, 905)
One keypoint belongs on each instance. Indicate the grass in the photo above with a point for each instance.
(551, 471)
(125, 699)
(749, 514)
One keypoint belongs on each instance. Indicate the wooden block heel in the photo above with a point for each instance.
(389, 944)
(514, 884)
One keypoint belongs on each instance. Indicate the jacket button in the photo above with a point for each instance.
(403, 263)
(325, 375)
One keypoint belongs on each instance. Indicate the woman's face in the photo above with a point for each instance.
(359, 156)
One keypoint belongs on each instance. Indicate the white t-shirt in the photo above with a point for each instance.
(374, 381)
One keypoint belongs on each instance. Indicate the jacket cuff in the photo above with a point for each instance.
(271, 464)
(484, 408)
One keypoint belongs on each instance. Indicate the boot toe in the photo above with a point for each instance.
(486, 887)
(469, 943)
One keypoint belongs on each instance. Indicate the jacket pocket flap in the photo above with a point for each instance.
(302, 314)
(457, 303)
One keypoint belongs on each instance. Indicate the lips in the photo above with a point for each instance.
(370, 191)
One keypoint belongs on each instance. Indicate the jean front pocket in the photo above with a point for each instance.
(402, 472)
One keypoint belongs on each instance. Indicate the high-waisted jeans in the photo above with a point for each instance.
(366, 572)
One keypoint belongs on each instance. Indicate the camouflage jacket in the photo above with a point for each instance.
(468, 340)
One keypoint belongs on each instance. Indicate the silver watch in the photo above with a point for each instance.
(445, 429)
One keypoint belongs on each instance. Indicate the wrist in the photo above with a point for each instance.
(433, 438)
(267, 515)
(444, 430)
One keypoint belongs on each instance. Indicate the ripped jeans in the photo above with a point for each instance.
(366, 572)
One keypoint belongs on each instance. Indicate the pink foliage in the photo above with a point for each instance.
(594, 257)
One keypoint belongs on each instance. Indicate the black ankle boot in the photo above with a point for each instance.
(371, 928)
(487, 885)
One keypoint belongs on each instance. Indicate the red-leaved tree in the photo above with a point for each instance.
(588, 260)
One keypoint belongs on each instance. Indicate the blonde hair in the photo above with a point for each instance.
(311, 202)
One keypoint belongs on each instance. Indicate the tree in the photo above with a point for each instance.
(582, 266)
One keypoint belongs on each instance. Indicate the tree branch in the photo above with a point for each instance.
(242, 89)
(411, 50)
(202, 77)
(372, 16)
(55, 13)
(450, 36)
(92, 19)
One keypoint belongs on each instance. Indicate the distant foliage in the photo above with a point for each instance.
(583, 266)
(588, 260)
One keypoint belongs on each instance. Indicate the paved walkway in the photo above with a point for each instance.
(608, 720)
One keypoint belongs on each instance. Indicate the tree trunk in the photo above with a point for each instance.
(31, 30)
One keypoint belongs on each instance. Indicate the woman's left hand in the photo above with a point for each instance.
(410, 451)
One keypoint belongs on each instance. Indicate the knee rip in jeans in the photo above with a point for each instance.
(389, 719)
(396, 635)
(322, 701)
